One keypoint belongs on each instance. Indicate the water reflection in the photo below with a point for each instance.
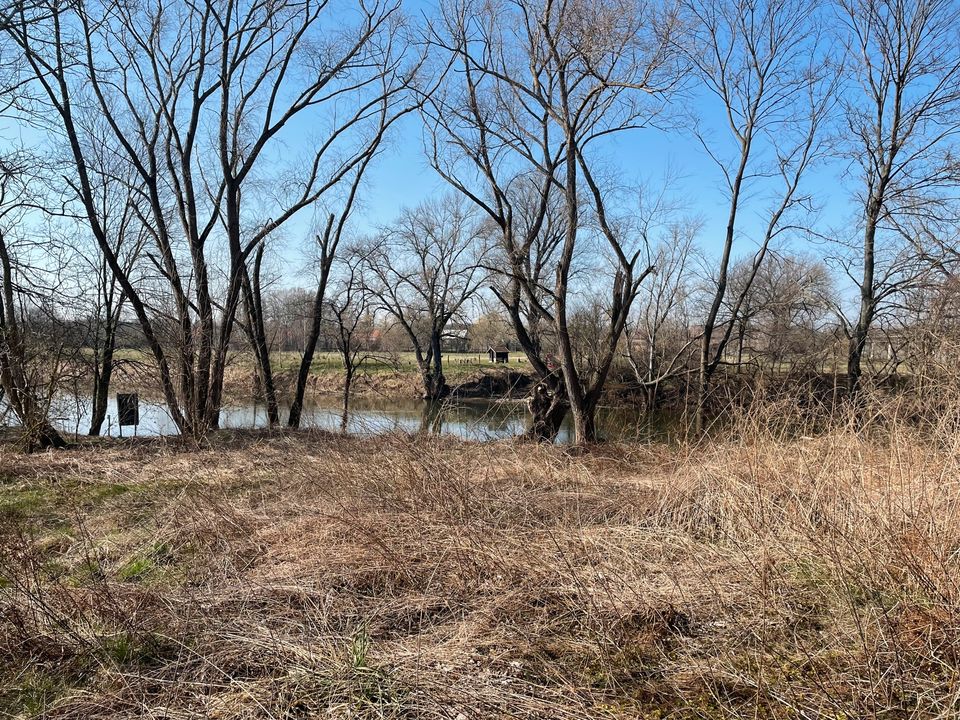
(467, 419)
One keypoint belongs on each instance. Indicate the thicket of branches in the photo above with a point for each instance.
(167, 156)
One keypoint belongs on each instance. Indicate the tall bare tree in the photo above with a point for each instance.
(351, 320)
(112, 186)
(532, 89)
(659, 341)
(328, 240)
(424, 270)
(785, 309)
(903, 115)
(28, 372)
(759, 59)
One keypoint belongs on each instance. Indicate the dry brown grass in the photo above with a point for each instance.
(321, 576)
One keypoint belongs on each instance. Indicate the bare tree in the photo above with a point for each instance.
(785, 309)
(328, 240)
(490, 329)
(349, 314)
(760, 60)
(112, 181)
(28, 372)
(658, 338)
(531, 89)
(199, 100)
(424, 270)
(903, 115)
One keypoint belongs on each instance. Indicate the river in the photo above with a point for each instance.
(467, 419)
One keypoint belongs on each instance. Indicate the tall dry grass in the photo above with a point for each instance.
(784, 569)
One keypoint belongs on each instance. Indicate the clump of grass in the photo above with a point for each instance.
(145, 563)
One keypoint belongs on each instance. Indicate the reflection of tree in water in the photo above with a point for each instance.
(432, 416)
(475, 419)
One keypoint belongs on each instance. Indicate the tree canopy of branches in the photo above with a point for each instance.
(531, 89)
(759, 61)
(26, 356)
(198, 99)
(423, 270)
(167, 164)
(902, 113)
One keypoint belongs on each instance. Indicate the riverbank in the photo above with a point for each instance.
(470, 375)
(473, 376)
(312, 574)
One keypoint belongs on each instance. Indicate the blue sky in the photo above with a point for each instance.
(402, 178)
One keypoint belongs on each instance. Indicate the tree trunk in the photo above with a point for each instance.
(858, 343)
(101, 385)
(44, 437)
(347, 382)
(434, 383)
(741, 334)
(38, 433)
(257, 334)
(585, 424)
(703, 388)
(651, 396)
(858, 338)
(303, 373)
(707, 364)
(549, 407)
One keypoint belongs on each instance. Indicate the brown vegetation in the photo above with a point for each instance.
(306, 575)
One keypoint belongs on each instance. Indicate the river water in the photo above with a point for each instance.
(467, 419)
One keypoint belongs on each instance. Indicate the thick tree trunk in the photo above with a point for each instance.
(37, 432)
(549, 407)
(858, 343)
(585, 425)
(43, 437)
(434, 383)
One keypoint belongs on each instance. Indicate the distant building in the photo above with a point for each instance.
(499, 354)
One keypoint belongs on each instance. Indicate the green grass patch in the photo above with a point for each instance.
(19, 503)
(146, 565)
(32, 692)
(47, 502)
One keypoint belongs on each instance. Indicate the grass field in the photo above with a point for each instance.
(394, 375)
(311, 575)
(331, 361)
(454, 363)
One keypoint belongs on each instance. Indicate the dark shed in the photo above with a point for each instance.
(499, 354)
